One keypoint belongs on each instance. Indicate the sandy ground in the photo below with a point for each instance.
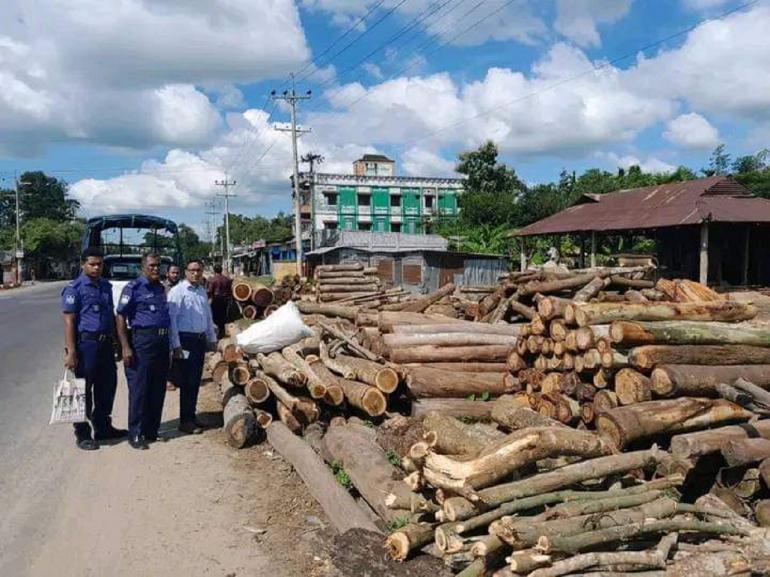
(190, 506)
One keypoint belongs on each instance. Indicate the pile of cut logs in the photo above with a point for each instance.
(353, 284)
(588, 422)
(254, 299)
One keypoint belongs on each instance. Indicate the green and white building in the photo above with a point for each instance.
(372, 199)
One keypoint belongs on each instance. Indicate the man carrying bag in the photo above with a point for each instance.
(89, 326)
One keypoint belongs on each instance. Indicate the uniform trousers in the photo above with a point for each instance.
(147, 382)
(96, 364)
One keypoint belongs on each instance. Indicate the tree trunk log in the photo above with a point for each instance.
(604, 401)
(427, 382)
(647, 357)
(333, 268)
(632, 387)
(339, 506)
(247, 289)
(554, 286)
(399, 341)
(354, 447)
(347, 280)
(229, 350)
(694, 445)
(449, 436)
(459, 508)
(387, 320)
(602, 313)
(746, 451)
(326, 289)
(624, 425)
(367, 398)
(463, 367)
(239, 373)
(511, 453)
(288, 418)
(240, 424)
(431, 353)
(329, 310)
(591, 289)
(413, 536)
(451, 407)
(688, 333)
(458, 327)
(624, 282)
(420, 305)
(384, 378)
(701, 381)
(256, 391)
(687, 291)
(552, 307)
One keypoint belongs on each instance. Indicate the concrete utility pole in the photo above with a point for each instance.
(226, 184)
(292, 98)
(312, 158)
(212, 212)
(19, 250)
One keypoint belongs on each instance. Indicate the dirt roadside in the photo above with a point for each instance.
(191, 506)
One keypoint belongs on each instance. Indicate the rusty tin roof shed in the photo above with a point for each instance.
(713, 199)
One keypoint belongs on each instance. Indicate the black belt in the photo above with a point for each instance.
(89, 336)
(193, 335)
(154, 331)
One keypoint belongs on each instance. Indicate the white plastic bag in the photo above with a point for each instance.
(282, 328)
(69, 400)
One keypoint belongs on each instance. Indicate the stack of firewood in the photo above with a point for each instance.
(254, 299)
(527, 495)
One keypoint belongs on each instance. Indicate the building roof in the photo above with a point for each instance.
(394, 250)
(375, 158)
(379, 241)
(716, 199)
(404, 181)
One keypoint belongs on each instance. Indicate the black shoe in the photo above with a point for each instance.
(190, 428)
(156, 438)
(138, 442)
(87, 444)
(111, 433)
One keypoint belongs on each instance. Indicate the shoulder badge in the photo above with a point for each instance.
(69, 299)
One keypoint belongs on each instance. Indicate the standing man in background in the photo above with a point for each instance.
(89, 328)
(143, 308)
(173, 276)
(192, 334)
(220, 290)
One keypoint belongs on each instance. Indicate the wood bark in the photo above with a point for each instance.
(463, 367)
(591, 289)
(431, 353)
(384, 378)
(400, 543)
(240, 425)
(420, 305)
(683, 291)
(365, 397)
(348, 280)
(387, 320)
(454, 407)
(552, 307)
(450, 436)
(428, 382)
(632, 387)
(324, 268)
(511, 453)
(555, 286)
(688, 333)
(339, 296)
(647, 357)
(701, 381)
(601, 313)
(697, 444)
(624, 282)
(256, 391)
(329, 310)
(624, 425)
(340, 508)
(459, 508)
(457, 326)
(739, 452)
(346, 288)
(304, 409)
(397, 341)
(229, 350)
(354, 447)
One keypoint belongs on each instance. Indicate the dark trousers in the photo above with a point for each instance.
(191, 370)
(147, 383)
(219, 313)
(96, 364)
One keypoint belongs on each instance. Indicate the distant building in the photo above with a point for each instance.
(374, 199)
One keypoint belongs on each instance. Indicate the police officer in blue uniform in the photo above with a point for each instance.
(89, 327)
(146, 354)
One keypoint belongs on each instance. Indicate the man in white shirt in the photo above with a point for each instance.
(192, 333)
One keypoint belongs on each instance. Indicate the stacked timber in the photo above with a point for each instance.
(350, 284)
(254, 299)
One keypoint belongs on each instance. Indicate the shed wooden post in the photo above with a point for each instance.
(704, 253)
(523, 255)
(593, 249)
(746, 244)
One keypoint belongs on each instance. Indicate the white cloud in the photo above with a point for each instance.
(422, 162)
(578, 19)
(127, 73)
(649, 164)
(692, 131)
(705, 4)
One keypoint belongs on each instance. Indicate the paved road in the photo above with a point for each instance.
(172, 510)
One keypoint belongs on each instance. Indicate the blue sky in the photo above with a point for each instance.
(146, 121)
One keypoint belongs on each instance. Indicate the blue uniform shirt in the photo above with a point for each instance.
(144, 304)
(91, 301)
